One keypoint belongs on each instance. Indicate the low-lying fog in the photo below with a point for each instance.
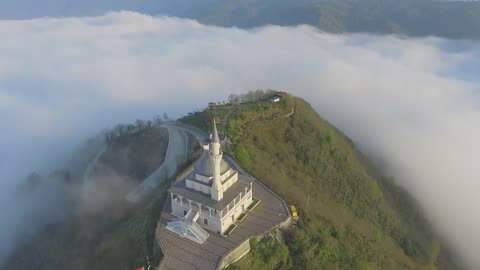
(411, 104)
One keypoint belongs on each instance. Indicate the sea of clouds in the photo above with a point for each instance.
(412, 104)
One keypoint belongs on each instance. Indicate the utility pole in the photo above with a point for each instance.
(308, 199)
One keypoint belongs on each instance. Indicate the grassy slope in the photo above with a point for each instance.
(132, 240)
(355, 219)
(127, 240)
(116, 236)
(137, 155)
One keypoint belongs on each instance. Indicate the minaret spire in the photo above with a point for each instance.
(216, 157)
(215, 138)
(215, 141)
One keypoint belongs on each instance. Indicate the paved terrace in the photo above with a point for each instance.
(181, 253)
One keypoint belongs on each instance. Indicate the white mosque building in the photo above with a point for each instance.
(211, 197)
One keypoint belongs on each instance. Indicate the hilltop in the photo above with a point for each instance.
(351, 216)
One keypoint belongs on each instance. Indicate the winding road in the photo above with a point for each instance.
(177, 153)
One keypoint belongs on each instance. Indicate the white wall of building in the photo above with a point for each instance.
(236, 211)
(215, 223)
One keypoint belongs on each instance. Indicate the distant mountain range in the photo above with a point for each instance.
(450, 19)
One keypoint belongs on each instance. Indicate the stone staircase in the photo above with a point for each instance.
(188, 227)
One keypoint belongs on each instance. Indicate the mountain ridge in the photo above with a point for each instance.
(409, 17)
(354, 217)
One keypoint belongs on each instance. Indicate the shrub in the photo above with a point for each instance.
(242, 156)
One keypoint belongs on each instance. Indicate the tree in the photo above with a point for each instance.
(233, 99)
(269, 93)
(158, 120)
(140, 124)
(258, 95)
(165, 117)
(242, 156)
(119, 129)
(130, 129)
(108, 137)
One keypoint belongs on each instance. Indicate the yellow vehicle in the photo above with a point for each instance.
(293, 209)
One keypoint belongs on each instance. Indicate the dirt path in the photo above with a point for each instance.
(288, 114)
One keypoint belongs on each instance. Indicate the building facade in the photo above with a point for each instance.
(211, 197)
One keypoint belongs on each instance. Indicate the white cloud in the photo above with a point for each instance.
(412, 102)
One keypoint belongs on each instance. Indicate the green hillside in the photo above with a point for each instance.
(451, 19)
(101, 230)
(444, 18)
(351, 216)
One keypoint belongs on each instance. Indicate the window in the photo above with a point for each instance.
(205, 221)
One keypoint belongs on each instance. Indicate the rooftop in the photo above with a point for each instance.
(205, 166)
(181, 189)
(183, 254)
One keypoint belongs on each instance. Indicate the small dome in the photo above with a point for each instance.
(205, 166)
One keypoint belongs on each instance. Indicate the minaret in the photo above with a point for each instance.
(216, 156)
